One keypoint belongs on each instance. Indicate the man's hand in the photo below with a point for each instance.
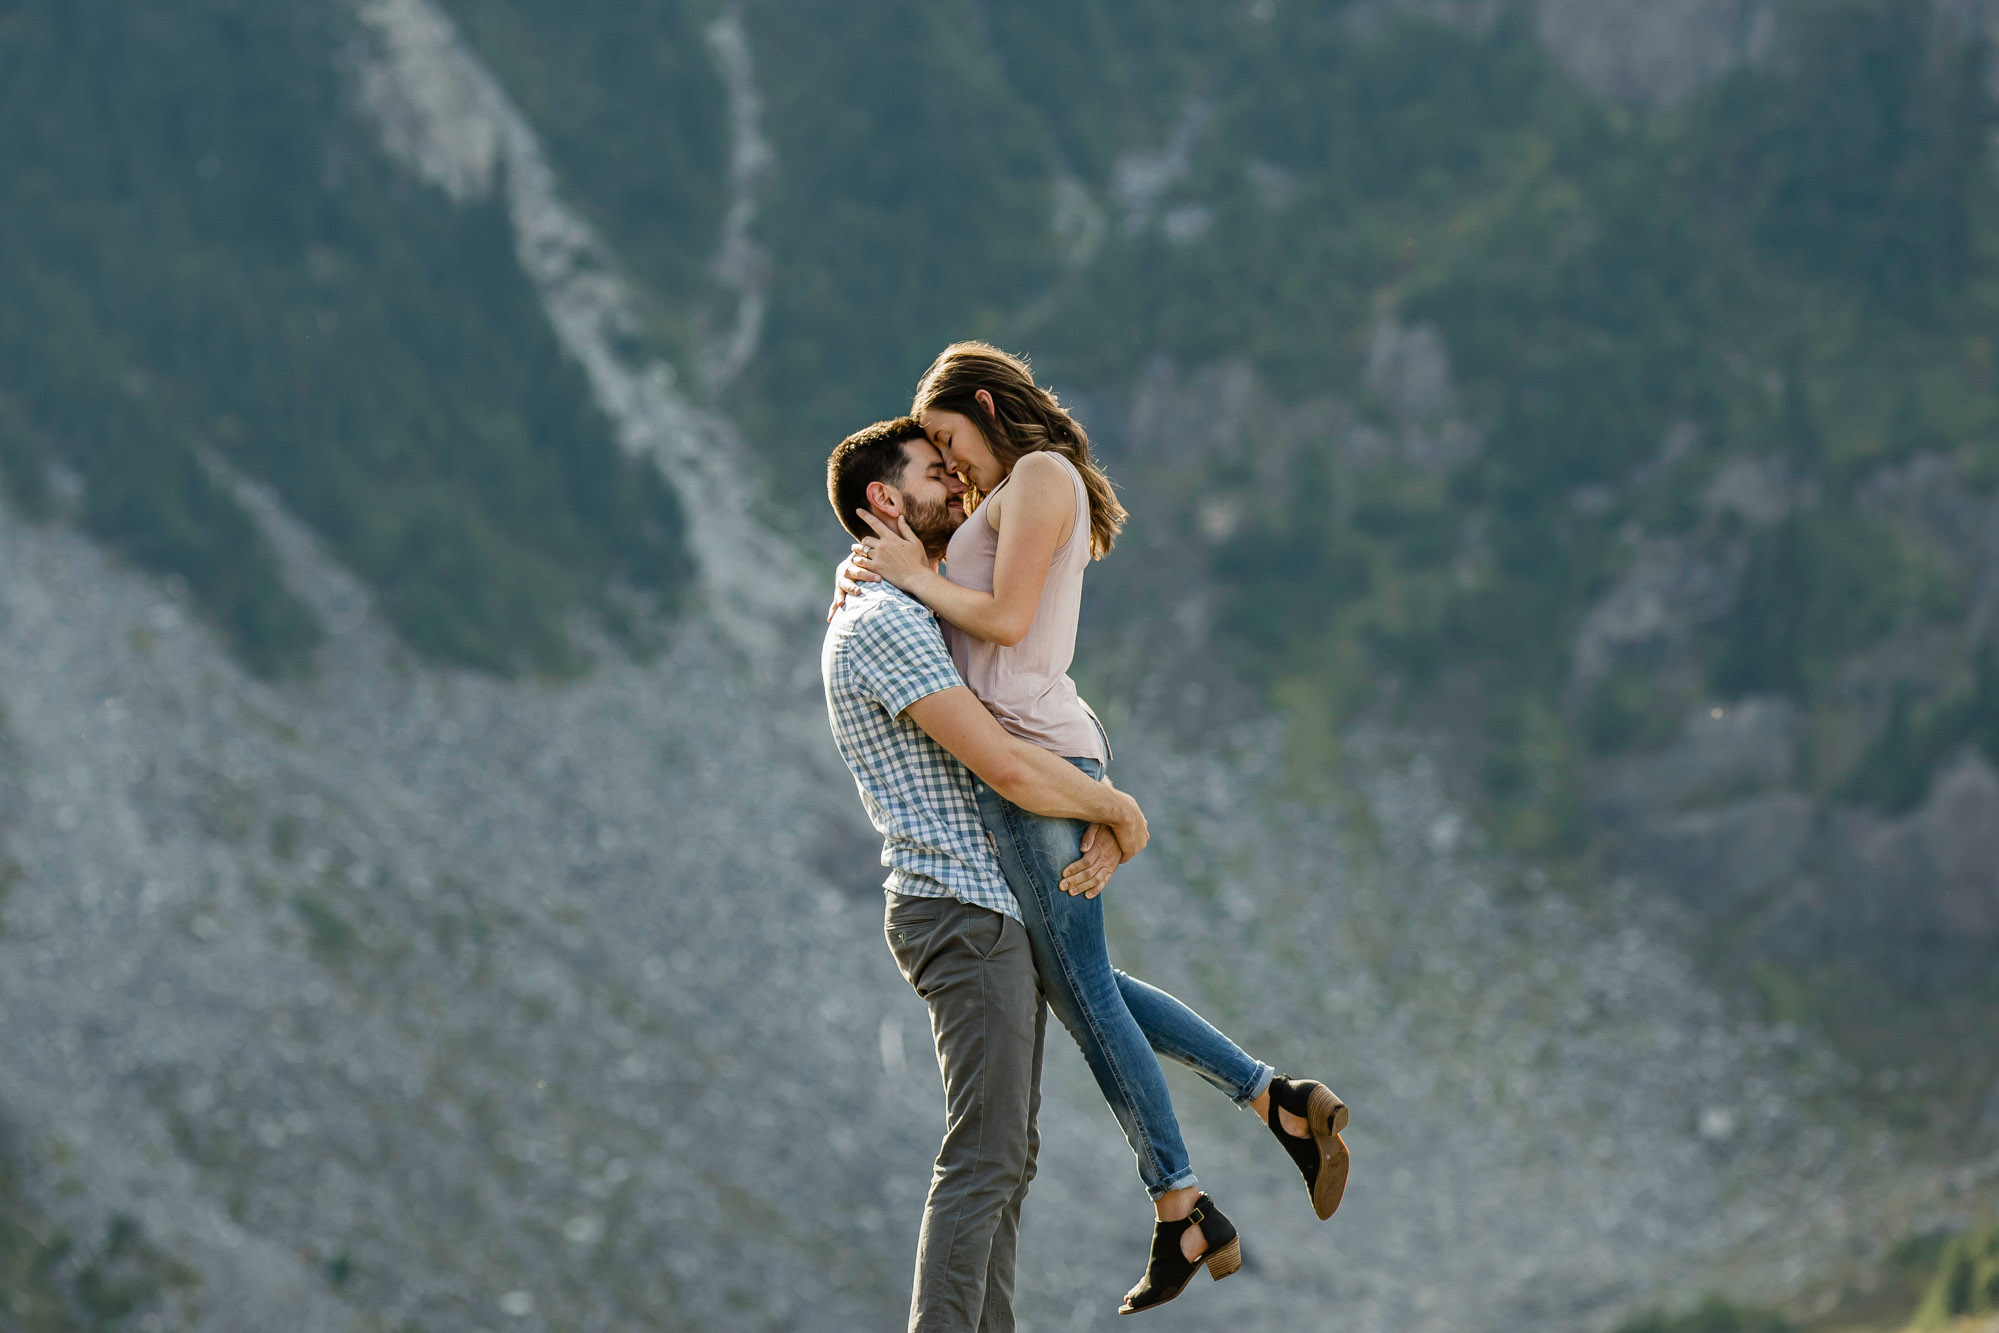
(1129, 828)
(1099, 862)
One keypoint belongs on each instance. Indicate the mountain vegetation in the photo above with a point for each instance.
(203, 256)
(1939, 1282)
(1967, 1281)
(52, 1282)
(209, 270)
(1793, 266)
(1711, 1316)
(1785, 277)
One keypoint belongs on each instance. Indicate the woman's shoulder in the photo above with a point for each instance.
(1047, 473)
(1046, 464)
(1046, 485)
(1038, 482)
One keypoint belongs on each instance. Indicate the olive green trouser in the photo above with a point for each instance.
(975, 970)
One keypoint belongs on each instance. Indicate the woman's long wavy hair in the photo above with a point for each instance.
(1025, 418)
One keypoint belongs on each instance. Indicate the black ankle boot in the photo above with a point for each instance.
(1170, 1270)
(1321, 1154)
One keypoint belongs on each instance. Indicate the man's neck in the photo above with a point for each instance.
(935, 558)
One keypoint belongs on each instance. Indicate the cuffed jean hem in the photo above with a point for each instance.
(1186, 1180)
(1260, 1085)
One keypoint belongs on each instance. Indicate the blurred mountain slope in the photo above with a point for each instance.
(206, 252)
(1445, 389)
(1538, 502)
(412, 998)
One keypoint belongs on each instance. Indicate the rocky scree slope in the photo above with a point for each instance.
(403, 997)
(415, 999)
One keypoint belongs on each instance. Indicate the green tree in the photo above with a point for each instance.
(1966, 1282)
(1865, 155)
(203, 255)
(1711, 1316)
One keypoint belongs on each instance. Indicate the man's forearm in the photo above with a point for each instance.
(1044, 784)
(1025, 774)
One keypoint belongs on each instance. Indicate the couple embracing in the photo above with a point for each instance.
(985, 773)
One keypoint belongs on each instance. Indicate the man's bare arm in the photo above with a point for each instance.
(1025, 774)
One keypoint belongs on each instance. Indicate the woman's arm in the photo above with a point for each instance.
(1039, 503)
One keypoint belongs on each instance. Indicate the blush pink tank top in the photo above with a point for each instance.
(1027, 686)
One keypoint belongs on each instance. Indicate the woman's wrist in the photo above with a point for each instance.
(921, 583)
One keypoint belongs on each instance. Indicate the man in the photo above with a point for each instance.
(909, 729)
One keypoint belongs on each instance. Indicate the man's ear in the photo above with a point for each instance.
(885, 498)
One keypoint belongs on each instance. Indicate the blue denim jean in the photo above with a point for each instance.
(1117, 1020)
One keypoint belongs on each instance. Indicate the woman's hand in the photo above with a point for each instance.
(848, 581)
(1086, 877)
(896, 555)
(851, 575)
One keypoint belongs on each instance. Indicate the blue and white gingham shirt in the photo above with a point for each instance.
(884, 652)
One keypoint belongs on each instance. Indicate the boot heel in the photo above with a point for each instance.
(1320, 1153)
(1226, 1260)
(1326, 1113)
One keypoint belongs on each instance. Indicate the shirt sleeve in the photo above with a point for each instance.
(902, 658)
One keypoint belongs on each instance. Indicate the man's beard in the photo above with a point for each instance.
(933, 524)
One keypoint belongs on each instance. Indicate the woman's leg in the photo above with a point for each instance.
(1067, 935)
(1179, 1034)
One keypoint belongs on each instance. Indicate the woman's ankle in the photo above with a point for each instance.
(1294, 1125)
(1176, 1204)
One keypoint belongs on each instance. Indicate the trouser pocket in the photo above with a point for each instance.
(923, 930)
(911, 924)
(985, 933)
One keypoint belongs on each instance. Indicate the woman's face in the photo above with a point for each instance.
(964, 448)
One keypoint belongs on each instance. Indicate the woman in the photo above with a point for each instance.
(1040, 511)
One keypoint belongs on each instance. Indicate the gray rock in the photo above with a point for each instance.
(1721, 750)
(1914, 899)
(1723, 860)
(1275, 186)
(1649, 616)
(1649, 52)
(1926, 497)
(1960, 824)
(1222, 419)
(1140, 180)
(1759, 489)
(1653, 52)
(1410, 368)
